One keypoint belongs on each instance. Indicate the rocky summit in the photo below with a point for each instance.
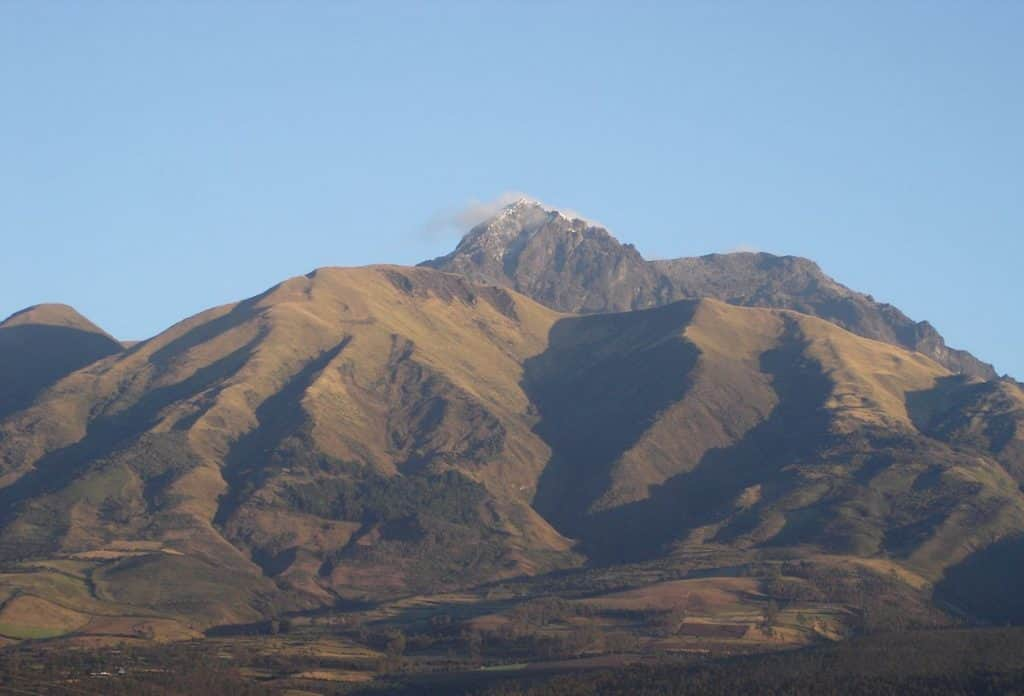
(571, 265)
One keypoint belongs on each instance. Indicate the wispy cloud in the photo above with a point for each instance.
(456, 222)
(743, 249)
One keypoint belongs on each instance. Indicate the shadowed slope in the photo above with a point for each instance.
(987, 583)
(371, 432)
(725, 479)
(602, 383)
(744, 428)
(42, 344)
(279, 416)
(985, 415)
(324, 385)
(757, 279)
(574, 266)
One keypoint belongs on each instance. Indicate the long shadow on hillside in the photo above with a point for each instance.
(109, 433)
(987, 583)
(926, 407)
(34, 357)
(278, 416)
(954, 401)
(795, 428)
(239, 314)
(599, 386)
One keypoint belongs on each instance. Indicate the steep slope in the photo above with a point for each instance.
(41, 344)
(373, 432)
(562, 262)
(986, 417)
(983, 415)
(765, 280)
(573, 266)
(351, 432)
(700, 425)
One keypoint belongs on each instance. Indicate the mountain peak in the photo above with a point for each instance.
(526, 205)
(500, 240)
(521, 216)
(525, 214)
(538, 250)
(572, 265)
(40, 345)
(524, 202)
(51, 314)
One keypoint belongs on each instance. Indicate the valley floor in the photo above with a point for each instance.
(574, 631)
(934, 662)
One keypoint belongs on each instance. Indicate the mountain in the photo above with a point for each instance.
(365, 433)
(354, 432)
(703, 424)
(573, 266)
(41, 344)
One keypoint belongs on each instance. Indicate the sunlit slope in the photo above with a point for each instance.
(42, 344)
(210, 438)
(754, 428)
(573, 265)
(984, 415)
(368, 432)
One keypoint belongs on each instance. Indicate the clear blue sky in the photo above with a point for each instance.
(157, 158)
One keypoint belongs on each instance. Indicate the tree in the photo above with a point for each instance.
(771, 614)
(697, 604)
(474, 645)
(674, 620)
(396, 645)
(393, 651)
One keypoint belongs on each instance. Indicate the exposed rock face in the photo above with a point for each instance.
(573, 266)
(561, 262)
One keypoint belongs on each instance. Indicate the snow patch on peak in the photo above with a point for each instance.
(509, 220)
(524, 203)
(518, 205)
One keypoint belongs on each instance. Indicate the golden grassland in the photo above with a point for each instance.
(167, 456)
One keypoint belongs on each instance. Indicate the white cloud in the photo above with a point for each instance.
(456, 222)
(447, 223)
(744, 249)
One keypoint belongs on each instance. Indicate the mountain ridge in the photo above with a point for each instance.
(363, 433)
(572, 265)
(43, 343)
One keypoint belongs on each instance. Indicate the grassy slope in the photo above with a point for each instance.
(784, 431)
(135, 448)
(711, 427)
(42, 344)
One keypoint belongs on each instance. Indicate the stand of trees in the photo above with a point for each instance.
(914, 663)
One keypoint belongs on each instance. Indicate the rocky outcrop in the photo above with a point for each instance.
(573, 266)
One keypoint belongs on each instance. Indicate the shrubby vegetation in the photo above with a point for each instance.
(431, 527)
(451, 497)
(988, 582)
(883, 603)
(914, 663)
(173, 670)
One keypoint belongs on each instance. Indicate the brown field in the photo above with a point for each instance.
(147, 628)
(335, 675)
(719, 595)
(25, 616)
